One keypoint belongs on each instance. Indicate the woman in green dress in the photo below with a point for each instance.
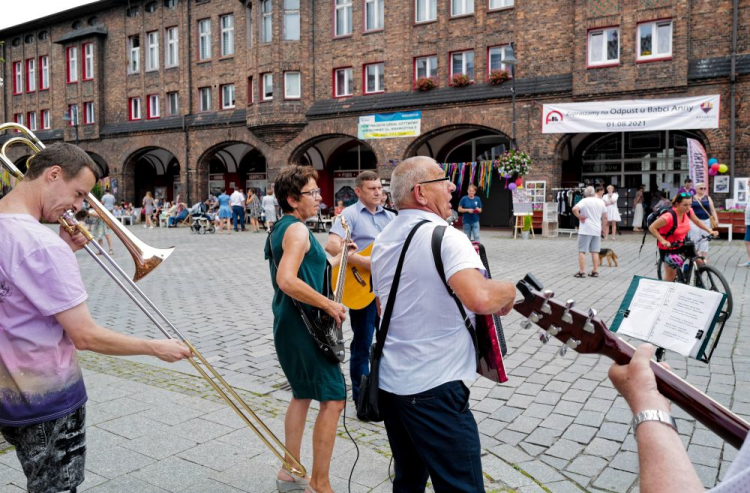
(301, 266)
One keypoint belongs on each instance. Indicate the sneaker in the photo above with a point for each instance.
(744, 264)
(144, 226)
(150, 227)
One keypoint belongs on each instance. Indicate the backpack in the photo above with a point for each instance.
(656, 214)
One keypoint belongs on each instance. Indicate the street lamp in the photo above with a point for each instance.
(72, 116)
(510, 59)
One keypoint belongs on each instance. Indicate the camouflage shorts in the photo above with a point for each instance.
(52, 453)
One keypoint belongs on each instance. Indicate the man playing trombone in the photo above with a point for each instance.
(44, 320)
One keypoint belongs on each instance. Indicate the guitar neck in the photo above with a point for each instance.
(713, 415)
(339, 294)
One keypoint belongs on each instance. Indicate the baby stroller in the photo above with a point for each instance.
(201, 223)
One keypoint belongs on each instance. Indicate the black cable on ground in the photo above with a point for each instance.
(351, 473)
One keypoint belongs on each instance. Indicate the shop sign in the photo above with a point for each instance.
(636, 115)
(256, 176)
(345, 174)
(390, 125)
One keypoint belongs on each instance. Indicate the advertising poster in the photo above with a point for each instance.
(390, 125)
(698, 161)
(343, 187)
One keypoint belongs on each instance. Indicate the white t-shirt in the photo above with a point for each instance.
(237, 199)
(427, 343)
(108, 200)
(592, 209)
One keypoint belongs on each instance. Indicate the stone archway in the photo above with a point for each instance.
(151, 169)
(231, 164)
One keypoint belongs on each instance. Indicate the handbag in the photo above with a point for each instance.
(714, 223)
(368, 408)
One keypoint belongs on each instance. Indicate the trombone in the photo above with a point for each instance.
(146, 259)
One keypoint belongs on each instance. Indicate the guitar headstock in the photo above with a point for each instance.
(582, 332)
(347, 233)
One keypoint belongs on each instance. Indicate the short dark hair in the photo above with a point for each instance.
(71, 159)
(688, 180)
(364, 176)
(289, 183)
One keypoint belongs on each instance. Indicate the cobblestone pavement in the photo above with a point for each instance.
(557, 425)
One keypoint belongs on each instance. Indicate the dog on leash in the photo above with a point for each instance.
(611, 256)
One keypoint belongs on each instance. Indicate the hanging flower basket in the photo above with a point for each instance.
(498, 76)
(513, 164)
(425, 84)
(460, 80)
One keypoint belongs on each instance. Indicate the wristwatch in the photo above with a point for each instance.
(653, 415)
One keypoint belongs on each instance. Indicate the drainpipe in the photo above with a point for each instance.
(733, 96)
(189, 105)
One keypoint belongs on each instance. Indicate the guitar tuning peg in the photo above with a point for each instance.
(534, 317)
(588, 326)
(526, 324)
(572, 343)
(563, 350)
(566, 316)
(554, 330)
(545, 308)
(543, 336)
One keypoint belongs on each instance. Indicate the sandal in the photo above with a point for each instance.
(293, 484)
(580, 274)
(111, 252)
(594, 274)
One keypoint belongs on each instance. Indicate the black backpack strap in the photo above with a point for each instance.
(437, 241)
(385, 322)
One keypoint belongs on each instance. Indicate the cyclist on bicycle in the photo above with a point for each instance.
(682, 207)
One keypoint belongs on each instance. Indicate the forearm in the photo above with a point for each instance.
(360, 261)
(105, 341)
(497, 295)
(663, 462)
(302, 292)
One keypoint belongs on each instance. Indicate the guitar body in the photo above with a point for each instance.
(490, 338)
(357, 284)
(328, 335)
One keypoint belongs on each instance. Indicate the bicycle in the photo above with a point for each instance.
(701, 275)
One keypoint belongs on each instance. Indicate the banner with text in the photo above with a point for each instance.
(390, 125)
(635, 115)
(698, 162)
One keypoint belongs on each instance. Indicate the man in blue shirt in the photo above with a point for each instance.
(365, 219)
(471, 206)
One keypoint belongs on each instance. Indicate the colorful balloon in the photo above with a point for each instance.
(713, 172)
(519, 182)
(712, 161)
(507, 176)
(512, 186)
(715, 166)
(723, 168)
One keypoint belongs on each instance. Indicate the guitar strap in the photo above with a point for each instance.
(437, 241)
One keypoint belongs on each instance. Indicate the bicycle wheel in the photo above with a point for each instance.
(709, 277)
(679, 275)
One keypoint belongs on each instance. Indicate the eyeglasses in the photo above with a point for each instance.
(701, 188)
(315, 192)
(444, 178)
(685, 194)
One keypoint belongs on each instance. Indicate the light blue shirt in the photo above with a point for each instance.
(363, 224)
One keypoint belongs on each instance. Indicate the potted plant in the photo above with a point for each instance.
(498, 76)
(526, 228)
(425, 84)
(460, 80)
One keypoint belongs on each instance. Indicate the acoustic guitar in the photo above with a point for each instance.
(585, 334)
(357, 283)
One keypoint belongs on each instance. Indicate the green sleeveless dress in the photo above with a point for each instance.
(309, 373)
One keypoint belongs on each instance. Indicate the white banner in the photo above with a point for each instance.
(698, 162)
(390, 125)
(635, 115)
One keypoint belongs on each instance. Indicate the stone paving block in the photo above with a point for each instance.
(626, 461)
(531, 449)
(524, 424)
(545, 397)
(576, 395)
(132, 427)
(568, 408)
(531, 389)
(500, 471)
(614, 480)
(563, 487)
(578, 478)
(585, 385)
(488, 405)
(590, 418)
(706, 438)
(540, 411)
(543, 436)
(605, 393)
(123, 406)
(540, 378)
(613, 431)
(565, 449)
(580, 434)
(520, 401)
(587, 465)
(707, 475)
(158, 445)
(226, 417)
(501, 392)
(602, 448)
(210, 486)
(557, 421)
(559, 387)
(541, 472)
(173, 474)
(510, 454)
(116, 461)
(706, 456)
(594, 404)
(200, 430)
(619, 415)
(510, 437)
(216, 455)
(491, 427)
(126, 483)
(534, 488)
(9, 475)
(90, 481)
(554, 462)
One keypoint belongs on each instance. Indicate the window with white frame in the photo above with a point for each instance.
(463, 63)
(374, 78)
(17, 77)
(462, 7)
(291, 20)
(343, 17)
(88, 61)
(73, 115)
(227, 34)
(135, 108)
(204, 39)
(46, 124)
(72, 64)
(32, 120)
(496, 55)
(30, 75)
(267, 94)
(88, 113)
(204, 94)
(173, 103)
(44, 72)
(343, 82)
(655, 40)
(172, 50)
(425, 10)
(152, 53)
(266, 21)
(292, 85)
(134, 54)
(426, 66)
(374, 17)
(153, 109)
(604, 46)
(500, 4)
(227, 96)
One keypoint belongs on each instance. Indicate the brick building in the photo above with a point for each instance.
(183, 96)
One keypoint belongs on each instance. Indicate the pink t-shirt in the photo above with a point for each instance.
(40, 379)
(683, 228)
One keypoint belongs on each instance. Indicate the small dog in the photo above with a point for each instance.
(611, 256)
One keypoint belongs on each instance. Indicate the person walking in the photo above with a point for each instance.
(269, 205)
(108, 201)
(591, 212)
(253, 210)
(747, 234)
(613, 213)
(225, 212)
(297, 263)
(638, 214)
(470, 206)
(704, 211)
(45, 322)
(237, 203)
(148, 207)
